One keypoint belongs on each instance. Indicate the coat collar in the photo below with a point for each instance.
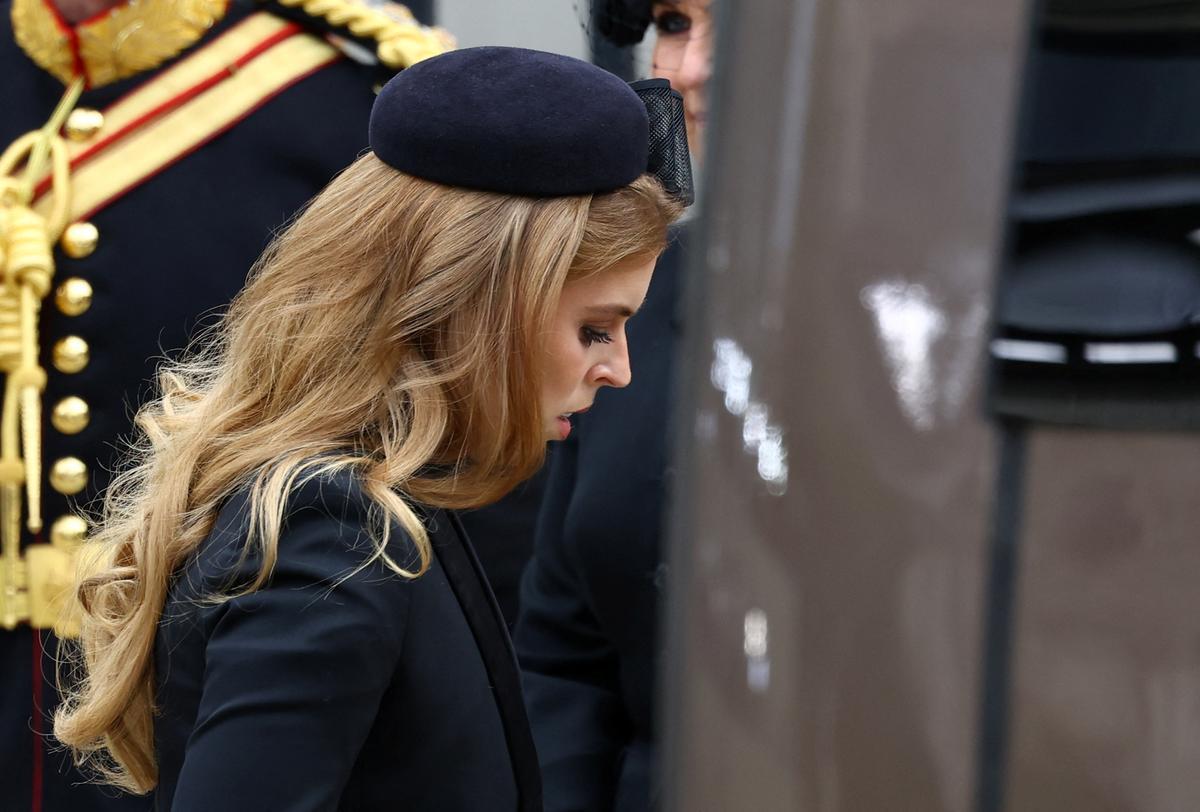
(127, 39)
(469, 584)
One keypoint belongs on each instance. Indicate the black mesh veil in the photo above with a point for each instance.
(669, 159)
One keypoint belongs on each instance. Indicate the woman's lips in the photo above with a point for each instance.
(563, 421)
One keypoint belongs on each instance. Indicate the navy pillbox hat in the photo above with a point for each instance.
(512, 120)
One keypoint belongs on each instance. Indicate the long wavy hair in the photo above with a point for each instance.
(394, 329)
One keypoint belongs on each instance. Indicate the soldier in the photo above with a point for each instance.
(187, 132)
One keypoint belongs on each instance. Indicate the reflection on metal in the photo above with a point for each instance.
(1150, 352)
(731, 370)
(908, 323)
(755, 647)
(1035, 352)
(781, 235)
(839, 297)
(1045, 352)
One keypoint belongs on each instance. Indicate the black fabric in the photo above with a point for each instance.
(587, 631)
(423, 10)
(512, 120)
(502, 535)
(338, 686)
(470, 584)
(171, 252)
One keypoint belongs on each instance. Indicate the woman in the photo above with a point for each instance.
(586, 634)
(287, 616)
(682, 51)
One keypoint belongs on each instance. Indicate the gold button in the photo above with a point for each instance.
(68, 475)
(79, 240)
(68, 532)
(74, 296)
(70, 354)
(70, 415)
(83, 123)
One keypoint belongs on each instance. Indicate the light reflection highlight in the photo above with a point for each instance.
(908, 324)
(730, 375)
(755, 646)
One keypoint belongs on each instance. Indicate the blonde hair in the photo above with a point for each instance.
(391, 330)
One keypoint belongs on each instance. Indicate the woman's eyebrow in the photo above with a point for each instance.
(609, 310)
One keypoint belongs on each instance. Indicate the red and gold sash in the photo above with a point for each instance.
(187, 105)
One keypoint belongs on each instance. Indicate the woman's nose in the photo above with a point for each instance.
(696, 67)
(613, 370)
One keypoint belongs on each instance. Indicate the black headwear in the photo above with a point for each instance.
(623, 22)
(528, 123)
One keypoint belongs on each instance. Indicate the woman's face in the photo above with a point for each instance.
(683, 54)
(586, 348)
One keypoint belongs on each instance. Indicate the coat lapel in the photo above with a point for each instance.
(470, 586)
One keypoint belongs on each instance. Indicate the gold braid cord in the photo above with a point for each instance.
(27, 261)
(402, 41)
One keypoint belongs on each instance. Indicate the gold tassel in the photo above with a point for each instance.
(27, 261)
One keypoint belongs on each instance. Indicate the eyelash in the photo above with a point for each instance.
(672, 22)
(590, 336)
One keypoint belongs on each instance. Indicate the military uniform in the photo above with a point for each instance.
(202, 126)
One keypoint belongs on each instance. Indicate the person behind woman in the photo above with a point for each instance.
(586, 633)
(286, 615)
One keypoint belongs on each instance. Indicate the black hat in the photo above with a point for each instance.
(520, 122)
(623, 22)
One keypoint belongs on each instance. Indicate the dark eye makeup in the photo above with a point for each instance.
(672, 22)
(590, 336)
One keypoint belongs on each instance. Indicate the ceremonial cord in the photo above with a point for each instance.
(27, 259)
(401, 42)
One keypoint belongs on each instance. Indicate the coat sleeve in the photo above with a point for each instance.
(569, 669)
(294, 672)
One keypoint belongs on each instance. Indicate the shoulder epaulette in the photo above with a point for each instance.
(390, 30)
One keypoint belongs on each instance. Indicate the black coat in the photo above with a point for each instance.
(586, 633)
(171, 251)
(336, 686)
(503, 537)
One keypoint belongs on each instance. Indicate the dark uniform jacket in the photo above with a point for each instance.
(171, 252)
(586, 633)
(335, 686)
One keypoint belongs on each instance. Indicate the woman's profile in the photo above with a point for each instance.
(284, 613)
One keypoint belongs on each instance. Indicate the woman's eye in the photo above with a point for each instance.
(672, 22)
(590, 336)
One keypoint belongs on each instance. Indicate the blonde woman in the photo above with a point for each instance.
(288, 616)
